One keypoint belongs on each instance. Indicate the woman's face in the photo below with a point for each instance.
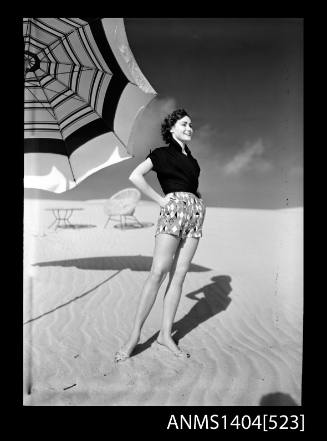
(182, 129)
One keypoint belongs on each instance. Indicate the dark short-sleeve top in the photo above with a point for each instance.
(175, 170)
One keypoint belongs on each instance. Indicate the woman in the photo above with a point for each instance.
(178, 229)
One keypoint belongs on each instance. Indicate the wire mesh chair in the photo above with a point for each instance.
(123, 204)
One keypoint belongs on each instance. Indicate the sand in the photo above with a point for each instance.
(240, 315)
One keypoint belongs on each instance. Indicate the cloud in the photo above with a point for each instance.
(248, 159)
(204, 133)
(203, 141)
(147, 130)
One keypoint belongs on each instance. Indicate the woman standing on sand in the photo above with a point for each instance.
(179, 227)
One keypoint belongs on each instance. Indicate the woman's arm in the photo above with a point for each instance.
(137, 177)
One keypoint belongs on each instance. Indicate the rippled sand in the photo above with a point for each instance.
(240, 314)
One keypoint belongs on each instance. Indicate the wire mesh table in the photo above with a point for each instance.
(62, 216)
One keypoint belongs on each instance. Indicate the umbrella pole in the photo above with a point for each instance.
(71, 170)
(28, 341)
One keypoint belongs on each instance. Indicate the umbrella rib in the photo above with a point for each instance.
(60, 41)
(100, 116)
(57, 41)
(96, 63)
(90, 68)
(94, 110)
(67, 64)
(62, 136)
(81, 98)
(36, 98)
(56, 118)
(72, 97)
(85, 69)
(56, 91)
(80, 68)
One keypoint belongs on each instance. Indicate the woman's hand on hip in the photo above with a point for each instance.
(165, 200)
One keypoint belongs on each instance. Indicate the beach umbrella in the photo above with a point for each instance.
(83, 93)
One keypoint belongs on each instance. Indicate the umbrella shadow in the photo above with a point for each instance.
(134, 226)
(133, 262)
(215, 299)
(75, 226)
(118, 263)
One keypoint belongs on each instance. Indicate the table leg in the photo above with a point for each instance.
(52, 223)
(59, 218)
(68, 215)
(55, 222)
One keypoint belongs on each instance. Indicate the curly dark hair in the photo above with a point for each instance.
(169, 122)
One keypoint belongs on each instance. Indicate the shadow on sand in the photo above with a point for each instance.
(277, 399)
(210, 300)
(133, 226)
(74, 226)
(118, 263)
(215, 299)
(134, 263)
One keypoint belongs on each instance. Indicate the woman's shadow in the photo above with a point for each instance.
(215, 299)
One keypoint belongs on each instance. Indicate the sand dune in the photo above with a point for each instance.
(240, 314)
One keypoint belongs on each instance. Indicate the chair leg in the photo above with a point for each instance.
(107, 221)
(137, 221)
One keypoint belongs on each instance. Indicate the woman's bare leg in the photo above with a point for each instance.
(164, 251)
(180, 266)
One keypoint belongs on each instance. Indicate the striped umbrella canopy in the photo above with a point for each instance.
(83, 94)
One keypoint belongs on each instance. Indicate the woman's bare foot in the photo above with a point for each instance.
(126, 350)
(169, 343)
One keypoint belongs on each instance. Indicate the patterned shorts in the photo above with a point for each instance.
(183, 216)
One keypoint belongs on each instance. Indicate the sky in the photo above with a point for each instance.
(241, 82)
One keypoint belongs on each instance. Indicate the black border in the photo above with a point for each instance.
(153, 420)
